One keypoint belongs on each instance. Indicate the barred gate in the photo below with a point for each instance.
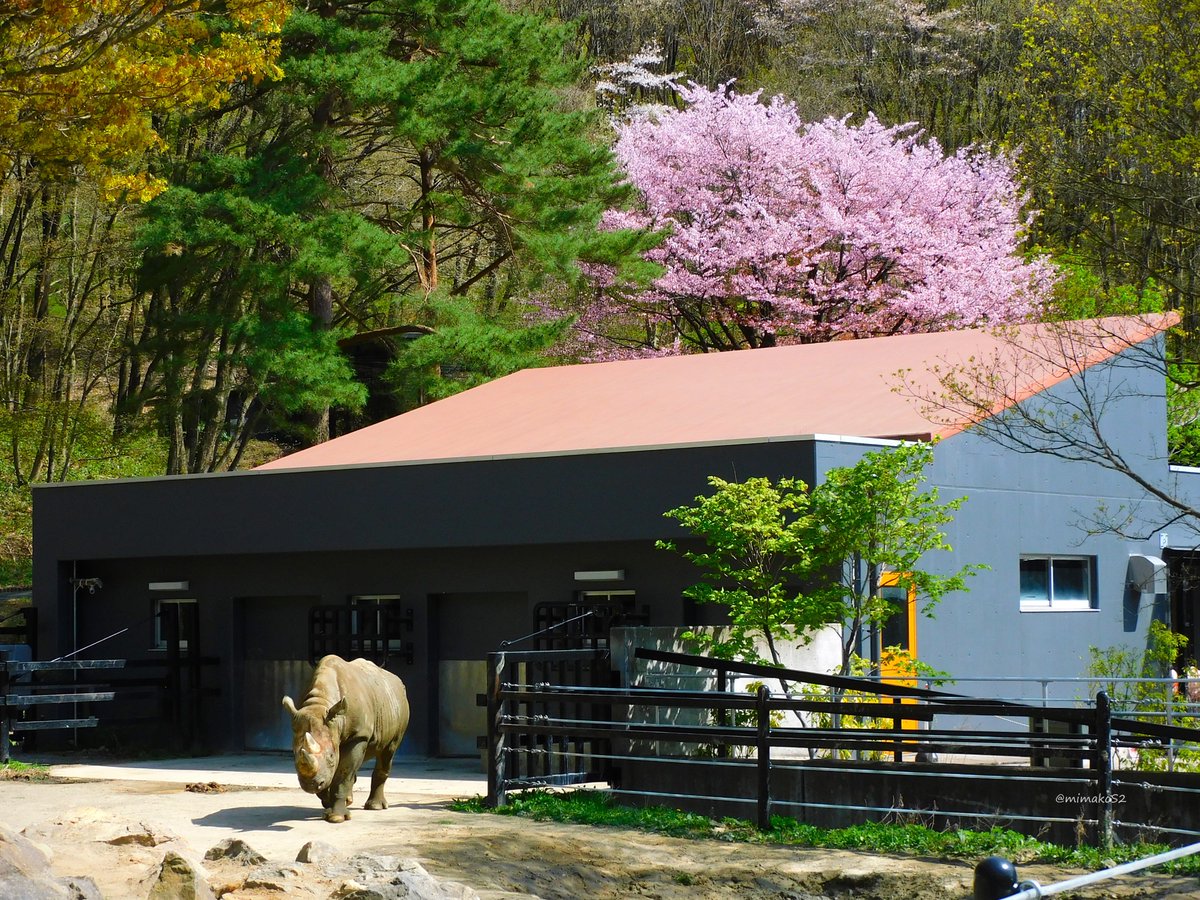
(524, 749)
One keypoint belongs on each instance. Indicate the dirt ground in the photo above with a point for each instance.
(496, 856)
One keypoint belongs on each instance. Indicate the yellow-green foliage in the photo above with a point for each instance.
(1147, 700)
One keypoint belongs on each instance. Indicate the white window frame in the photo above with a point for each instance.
(160, 639)
(602, 595)
(1089, 604)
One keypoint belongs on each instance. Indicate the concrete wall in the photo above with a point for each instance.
(1038, 802)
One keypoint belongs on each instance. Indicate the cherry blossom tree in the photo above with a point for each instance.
(780, 231)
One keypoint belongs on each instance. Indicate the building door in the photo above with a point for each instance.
(899, 635)
(467, 627)
(1184, 586)
(274, 635)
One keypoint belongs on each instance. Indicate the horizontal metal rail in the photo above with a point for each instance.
(14, 666)
(881, 709)
(943, 771)
(51, 724)
(37, 699)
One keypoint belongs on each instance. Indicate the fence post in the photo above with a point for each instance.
(5, 724)
(762, 705)
(495, 736)
(1104, 768)
(722, 712)
(1170, 722)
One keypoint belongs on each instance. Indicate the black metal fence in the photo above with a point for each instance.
(529, 693)
(834, 751)
(17, 699)
(146, 702)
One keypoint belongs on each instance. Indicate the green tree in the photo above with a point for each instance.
(946, 65)
(759, 556)
(1108, 135)
(465, 348)
(875, 518)
(785, 559)
(417, 155)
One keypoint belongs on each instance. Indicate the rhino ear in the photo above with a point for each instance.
(336, 710)
(290, 707)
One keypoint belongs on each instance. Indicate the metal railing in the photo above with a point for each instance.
(728, 747)
(15, 700)
(1029, 889)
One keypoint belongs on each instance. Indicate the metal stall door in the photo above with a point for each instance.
(468, 626)
(275, 638)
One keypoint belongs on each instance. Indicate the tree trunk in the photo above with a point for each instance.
(429, 260)
(320, 291)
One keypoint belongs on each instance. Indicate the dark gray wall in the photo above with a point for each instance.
(515, 502)
(267, 546)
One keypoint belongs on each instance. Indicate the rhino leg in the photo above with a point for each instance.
(342, 788)
(383, 768)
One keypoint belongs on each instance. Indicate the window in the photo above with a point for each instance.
(184, 610)
(1057, 583)
(377, 622)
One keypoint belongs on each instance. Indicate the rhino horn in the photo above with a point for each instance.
(306, 764)
(310, 743)
(290, 707)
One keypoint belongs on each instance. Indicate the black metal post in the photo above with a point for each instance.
(722, 712)
(762, 705)
(495, 736)
(170, 626)
(1104, 768)
(195, 693)
(5, 723)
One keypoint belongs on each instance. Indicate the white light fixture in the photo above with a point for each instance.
(168, 585)
(601, 575)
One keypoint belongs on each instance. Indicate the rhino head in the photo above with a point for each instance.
(314, 745)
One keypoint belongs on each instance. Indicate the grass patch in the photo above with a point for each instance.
(19, 771)
(592, 807)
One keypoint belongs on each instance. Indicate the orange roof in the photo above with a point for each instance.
(846, 388)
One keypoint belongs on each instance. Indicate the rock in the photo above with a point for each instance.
(105, 827)
(352, 890)
(18, 886)
(319, 853)
(236, 850)
(19, 854)
(178, 879)
(391, 878)
(274, 878)
(25, 873)
(82, 887)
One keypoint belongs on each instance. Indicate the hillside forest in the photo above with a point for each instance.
(230, 228)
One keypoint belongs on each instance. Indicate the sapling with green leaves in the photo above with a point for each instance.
(876, 517)
(786, 560)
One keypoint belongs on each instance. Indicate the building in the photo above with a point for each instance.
(432, 537)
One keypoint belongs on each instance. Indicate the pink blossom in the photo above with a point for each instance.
(783, 232)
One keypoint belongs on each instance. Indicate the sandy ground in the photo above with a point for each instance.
(255, 798)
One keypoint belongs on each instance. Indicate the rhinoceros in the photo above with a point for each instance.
(352, 710)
